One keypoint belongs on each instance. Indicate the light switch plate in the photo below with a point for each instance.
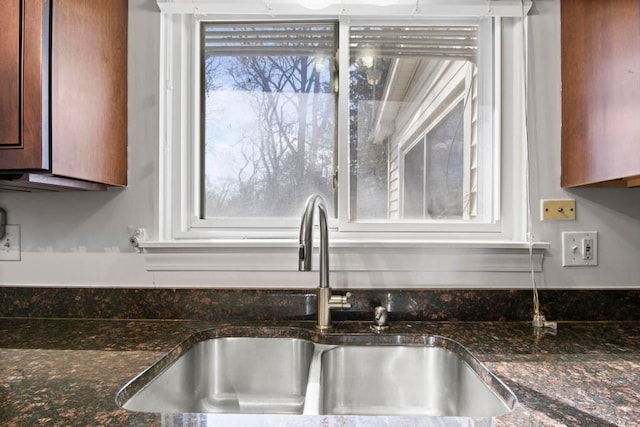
(10, 244)
(557, 210)
(579, 248)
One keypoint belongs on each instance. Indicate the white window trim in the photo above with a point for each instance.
(180, 182)
(402, 8)
(175, 234)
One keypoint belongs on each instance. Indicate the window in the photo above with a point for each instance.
(269, 117)
(397, 123)
(433, 173)
(413, 124)
(269, 128)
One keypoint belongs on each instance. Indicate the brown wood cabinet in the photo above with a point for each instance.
(63, 94)
(600, 92)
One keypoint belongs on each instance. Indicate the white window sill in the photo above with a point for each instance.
(346, 256)
(185, 245)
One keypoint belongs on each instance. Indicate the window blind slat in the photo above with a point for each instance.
(421, 32)
(419, 53)
(290, 51)
(425, 41)
(269, 39)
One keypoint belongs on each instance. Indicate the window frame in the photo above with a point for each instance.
(181, 168)
(489, 40)
(328, 37)
(490, 228)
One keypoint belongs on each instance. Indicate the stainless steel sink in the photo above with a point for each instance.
(442, 379)
(436, 377)
(231, 375)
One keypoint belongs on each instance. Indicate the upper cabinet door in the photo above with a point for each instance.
(600, 92)
(89, 90)
(24, 37)
(11, 24)
(63, 93)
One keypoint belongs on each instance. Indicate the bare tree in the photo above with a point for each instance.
(287, 154)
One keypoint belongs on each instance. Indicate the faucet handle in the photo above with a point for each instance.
(347, 300)
(340, 301)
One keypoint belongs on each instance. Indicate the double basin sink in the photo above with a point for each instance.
(249, 375)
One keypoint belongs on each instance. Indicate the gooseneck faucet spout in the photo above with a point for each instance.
(325, 300)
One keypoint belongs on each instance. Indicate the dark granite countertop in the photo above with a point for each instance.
(67, 372)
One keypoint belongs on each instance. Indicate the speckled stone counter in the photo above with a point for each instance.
(67, 372)
(458, 304)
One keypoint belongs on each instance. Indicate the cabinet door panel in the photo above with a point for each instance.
(10, 22)
(32, 26)
(89, 81)
(600, 91)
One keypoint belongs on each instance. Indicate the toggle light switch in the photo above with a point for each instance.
(579, 248)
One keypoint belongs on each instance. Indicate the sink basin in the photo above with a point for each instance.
(229, 375)
(433, 377)
(442, 379)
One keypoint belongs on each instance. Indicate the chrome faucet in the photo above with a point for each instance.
(326, 301)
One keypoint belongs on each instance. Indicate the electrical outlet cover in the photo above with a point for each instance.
(558, 210)
(573, 248)
(10, 244)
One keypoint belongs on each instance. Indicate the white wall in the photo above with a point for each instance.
(80, 239)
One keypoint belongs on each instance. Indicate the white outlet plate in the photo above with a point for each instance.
(573, 248)
(10, 244)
